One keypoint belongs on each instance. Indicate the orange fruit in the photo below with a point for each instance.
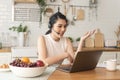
(25, 59)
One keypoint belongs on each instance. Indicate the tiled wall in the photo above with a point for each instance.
(108, 20)
(108, 17)
(5, 14)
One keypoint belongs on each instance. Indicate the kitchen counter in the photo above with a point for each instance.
(10, 76)
(96, 74)
(5, 50)
(105, 49)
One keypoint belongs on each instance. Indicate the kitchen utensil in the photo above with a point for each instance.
(52, 0)
(65, 1)
(74, 18)
(65, 12)
(49, 11)
(65, 6)
(93, 1)
(80, 14)
(72, 22)
(89, 42)
(99, 39)
(74, 14)
(118, 43)
(93, 12)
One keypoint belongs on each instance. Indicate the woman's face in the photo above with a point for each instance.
(59, 28)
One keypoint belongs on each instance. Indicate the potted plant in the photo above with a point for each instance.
(71, 39)
(42, 6)
(22, 33)
(78, 39)
(19, 29)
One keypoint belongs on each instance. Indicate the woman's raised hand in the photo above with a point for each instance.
(88, 34)
(82, 39)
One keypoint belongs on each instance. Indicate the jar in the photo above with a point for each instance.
(118, 43)
(0, 45)
(52, 0)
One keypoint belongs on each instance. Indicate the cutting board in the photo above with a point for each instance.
(89, 42)
(99, 39)
(80, 14)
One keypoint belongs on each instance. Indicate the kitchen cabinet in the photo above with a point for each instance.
(25, 1)
(18, 52)
(5, 57)
(110, 55)
(10, 76)
(5, 50)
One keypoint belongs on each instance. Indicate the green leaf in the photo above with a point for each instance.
(71, 39)
(25, 29)
(42, 5)
(20, 28)
(78, 39)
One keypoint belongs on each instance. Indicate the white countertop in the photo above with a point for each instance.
(10, 76)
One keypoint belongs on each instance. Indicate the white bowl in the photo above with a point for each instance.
(27, 72)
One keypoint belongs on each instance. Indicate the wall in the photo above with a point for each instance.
(108, 20)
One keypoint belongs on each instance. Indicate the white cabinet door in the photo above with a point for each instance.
(18, 52)
(5, 57)
(24, 52)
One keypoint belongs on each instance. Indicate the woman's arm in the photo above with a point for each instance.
(42, 53)
(83, 38)
(70, 50)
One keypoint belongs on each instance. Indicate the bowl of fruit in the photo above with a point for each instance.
(25, 68)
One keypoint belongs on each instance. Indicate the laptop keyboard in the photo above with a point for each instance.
(65, 67)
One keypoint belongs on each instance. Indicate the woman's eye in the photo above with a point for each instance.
(65, 26)
(59, 26)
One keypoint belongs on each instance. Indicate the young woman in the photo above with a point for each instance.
(53, 48)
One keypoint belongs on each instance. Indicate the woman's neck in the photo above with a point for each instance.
(54, 38)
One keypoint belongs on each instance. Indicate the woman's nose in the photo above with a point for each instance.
(63, 29)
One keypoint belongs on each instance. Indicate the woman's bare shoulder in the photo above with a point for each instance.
(41, 37)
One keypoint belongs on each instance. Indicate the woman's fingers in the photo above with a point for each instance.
(92, 32)
(88, 34)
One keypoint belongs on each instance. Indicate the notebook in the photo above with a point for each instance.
(84, 60)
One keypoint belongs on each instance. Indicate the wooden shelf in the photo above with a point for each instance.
(5, 50)
(103, 49)
(24, 1)
(95, 6)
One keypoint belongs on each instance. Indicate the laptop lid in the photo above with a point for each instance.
(85, 60)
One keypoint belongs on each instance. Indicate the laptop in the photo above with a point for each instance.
(84, 60)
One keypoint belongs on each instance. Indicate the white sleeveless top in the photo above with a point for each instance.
(55, 47)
